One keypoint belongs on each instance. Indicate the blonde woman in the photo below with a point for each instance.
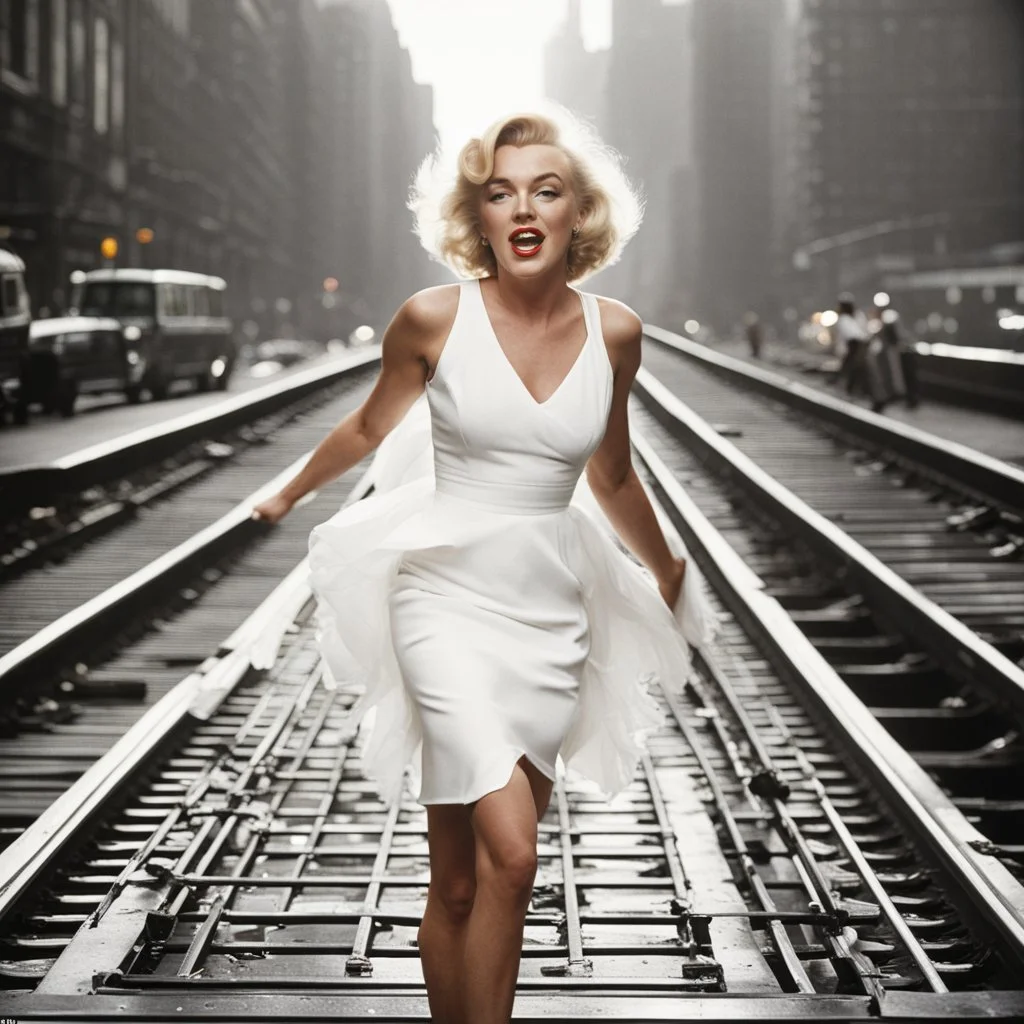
(490, 622)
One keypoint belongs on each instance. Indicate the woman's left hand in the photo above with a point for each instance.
(672, 585)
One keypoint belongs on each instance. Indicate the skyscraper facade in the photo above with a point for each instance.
(907, 145)
(736, 66)
(648, 118)
(573, 76)
(271, 143)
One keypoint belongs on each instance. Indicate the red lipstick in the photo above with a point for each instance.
(526, 241)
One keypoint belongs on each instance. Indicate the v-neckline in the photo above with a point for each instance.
(508, 362)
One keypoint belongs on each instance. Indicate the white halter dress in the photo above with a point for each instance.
(476, 604)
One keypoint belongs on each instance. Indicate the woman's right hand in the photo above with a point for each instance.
(672, 587)
(273, 510)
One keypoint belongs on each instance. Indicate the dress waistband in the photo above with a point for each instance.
(521, 498)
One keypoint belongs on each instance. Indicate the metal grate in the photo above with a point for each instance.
(258, 858)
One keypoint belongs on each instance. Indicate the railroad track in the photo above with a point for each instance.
(778, 856)
(942, 690)
(948, 520)
(52, 509)
(91, 641)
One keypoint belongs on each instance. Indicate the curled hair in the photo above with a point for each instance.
(445, 201)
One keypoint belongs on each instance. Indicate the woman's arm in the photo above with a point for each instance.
(610, 471)
(409, 350)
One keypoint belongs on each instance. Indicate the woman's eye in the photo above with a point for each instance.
(543, 192)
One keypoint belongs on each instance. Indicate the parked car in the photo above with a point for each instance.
(78, 355)
(183, 332)
(15, 317)
(287, 351)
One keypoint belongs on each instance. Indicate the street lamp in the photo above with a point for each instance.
(144, 236)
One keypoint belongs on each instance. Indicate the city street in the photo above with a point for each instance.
(511, 511)
(103, 418)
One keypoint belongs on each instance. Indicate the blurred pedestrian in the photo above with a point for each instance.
(752, 330)
(850, 341)
(901, 347)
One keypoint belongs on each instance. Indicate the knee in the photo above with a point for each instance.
(514, 869)
(455, 895)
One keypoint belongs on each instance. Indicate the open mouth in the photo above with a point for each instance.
(526, 242)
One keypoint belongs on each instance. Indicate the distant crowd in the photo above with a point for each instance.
(874, 354)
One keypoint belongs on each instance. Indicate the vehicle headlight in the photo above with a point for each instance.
(133, 357)
(132, 333)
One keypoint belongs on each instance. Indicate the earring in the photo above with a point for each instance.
(575, 232)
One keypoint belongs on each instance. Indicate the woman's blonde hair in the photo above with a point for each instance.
(445, 201)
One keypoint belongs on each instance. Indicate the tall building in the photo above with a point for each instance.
(573, 76)
(736, 66)
(380, 129)
(272, 143)
(907, 144)
(648, 118)
(63, 134)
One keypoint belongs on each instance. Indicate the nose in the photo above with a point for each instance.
(524, 207)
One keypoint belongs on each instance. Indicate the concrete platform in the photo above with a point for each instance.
(999, 436)
(102, 418)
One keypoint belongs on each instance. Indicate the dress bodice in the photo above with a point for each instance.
(494, 444)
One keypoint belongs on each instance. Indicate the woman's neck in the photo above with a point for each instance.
(533, 299)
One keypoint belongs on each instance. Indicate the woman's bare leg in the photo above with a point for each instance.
(540, 784)
(442, 932)
(505, 823)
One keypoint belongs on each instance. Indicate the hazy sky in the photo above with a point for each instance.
(486, 57)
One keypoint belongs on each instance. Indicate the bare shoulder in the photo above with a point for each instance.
(621, 326)
(430, 312)
(420, 326)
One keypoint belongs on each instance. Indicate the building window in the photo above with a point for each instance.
(117, 88)
(101, 78)
(175, 13)
(76, 83)
(19, 41)
(59, 52)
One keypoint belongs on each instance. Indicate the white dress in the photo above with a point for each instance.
(481, 609)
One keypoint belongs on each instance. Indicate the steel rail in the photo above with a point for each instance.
(864, 869)
(358, 960)
(144, 913)
(992, 892)
(22, 486)
(610, 1000)
(987, 479)
(693, 926)
(253, 646)
(55, 644)
(955, 646)
(205, 933)
(815, 884)
(769, 793)
(798, 980)
(576, 965)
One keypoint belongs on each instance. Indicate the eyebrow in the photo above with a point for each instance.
(540, 177)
